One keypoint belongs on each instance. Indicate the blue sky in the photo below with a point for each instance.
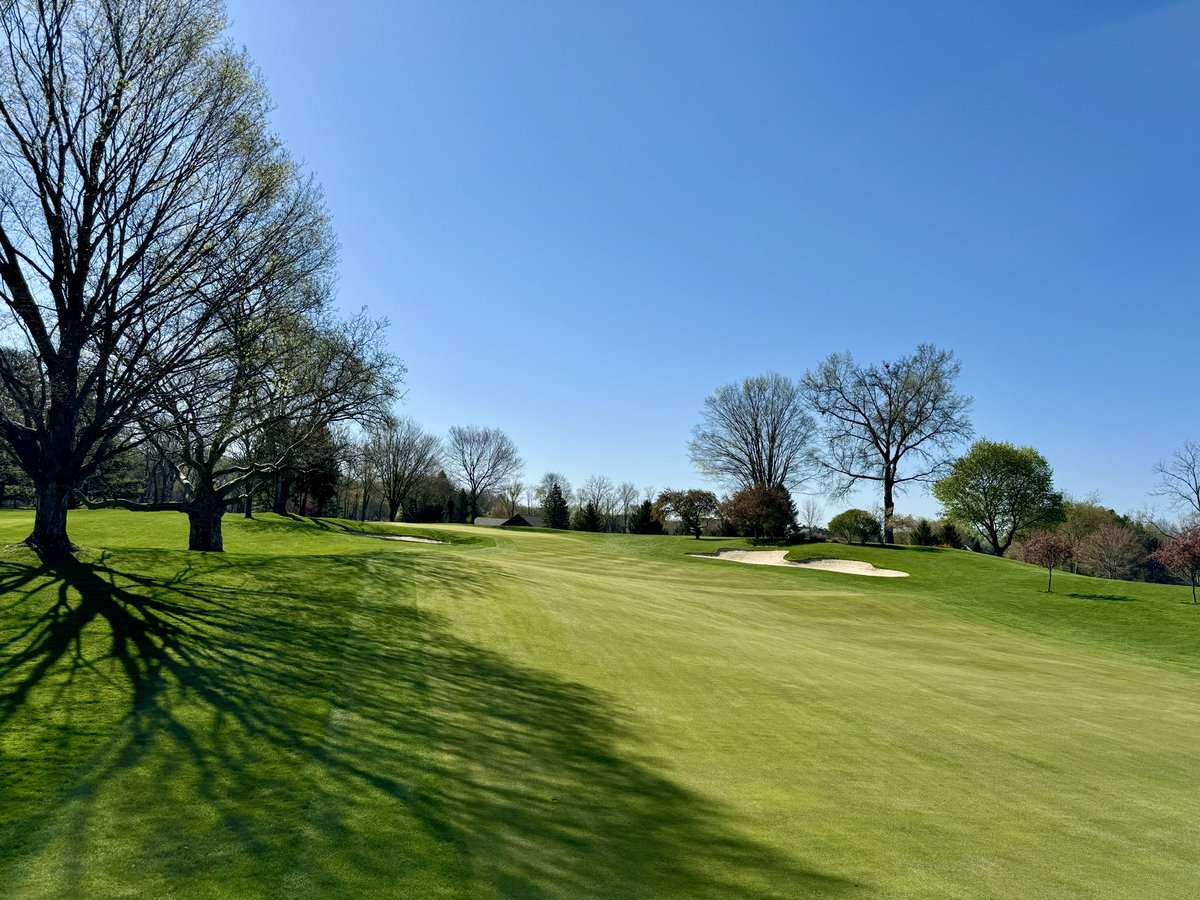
(582, 217)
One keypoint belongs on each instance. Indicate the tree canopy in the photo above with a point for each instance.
(1000, 490)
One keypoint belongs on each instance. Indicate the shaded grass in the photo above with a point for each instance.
(554, 714)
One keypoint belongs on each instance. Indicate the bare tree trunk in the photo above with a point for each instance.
(248, 509)
(889, 507)
(393, 509)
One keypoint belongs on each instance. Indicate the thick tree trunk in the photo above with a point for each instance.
(393, 510)
(248, 509)
(283, 488)
(204, 522)
(889, 508)
(50, 520)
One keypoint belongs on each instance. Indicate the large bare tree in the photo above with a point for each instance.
(1179, 479)
(404, 455)
(756, 431)
(878, 419)
(134, 163)
(311, 372)
(483, 459)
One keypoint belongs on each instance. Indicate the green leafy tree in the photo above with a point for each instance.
(692, 508)
(855, 526)
(1001, 491)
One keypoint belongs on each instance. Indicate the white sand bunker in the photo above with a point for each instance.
(399, 537)
(779, 558)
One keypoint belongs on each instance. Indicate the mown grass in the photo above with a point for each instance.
(322, 713)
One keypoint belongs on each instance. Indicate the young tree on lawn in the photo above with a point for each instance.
(1045, 548)
(1000, 490)
(855, 525)
(482, 459)
(1181, 556)
(404, 454)
(692, 508)
(1179, 479)
(879, 418)
(756, 431)
(137, 166)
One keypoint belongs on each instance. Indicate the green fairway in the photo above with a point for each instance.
(320, 713)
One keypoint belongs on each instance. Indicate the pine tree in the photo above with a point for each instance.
(556, 513)
(587, 518)
(642, 521)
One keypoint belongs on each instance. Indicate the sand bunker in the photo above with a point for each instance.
(778, 558)
(399, 537)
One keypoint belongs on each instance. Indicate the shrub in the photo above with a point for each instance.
(855, 526)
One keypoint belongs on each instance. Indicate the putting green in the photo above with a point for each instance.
(551, 714)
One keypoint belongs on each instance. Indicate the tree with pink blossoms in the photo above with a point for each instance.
(1181, 556)
(1044, 548)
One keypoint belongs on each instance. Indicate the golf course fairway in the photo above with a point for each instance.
(524, 713)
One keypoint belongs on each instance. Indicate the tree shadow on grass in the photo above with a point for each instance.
(276, 735)
(1112, 598)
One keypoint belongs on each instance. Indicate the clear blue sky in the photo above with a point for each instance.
(581, 217)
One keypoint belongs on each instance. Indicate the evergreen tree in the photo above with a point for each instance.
(588, 518)
(642, 521)
(555, 511)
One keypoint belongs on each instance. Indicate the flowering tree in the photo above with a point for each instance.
(1181, 555)
(1047, 549)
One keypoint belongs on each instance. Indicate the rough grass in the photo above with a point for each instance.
(319, 713)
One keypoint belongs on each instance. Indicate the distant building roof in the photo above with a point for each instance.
(519, 520)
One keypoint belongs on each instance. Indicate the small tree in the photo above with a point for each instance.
(1044, 548)
(855, 525)
(554, 509)
(692, 508)
(1181, 556)
(642, 521)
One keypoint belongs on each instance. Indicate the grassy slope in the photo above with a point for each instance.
(541, 714)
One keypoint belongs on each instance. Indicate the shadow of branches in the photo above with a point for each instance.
(325, 735)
